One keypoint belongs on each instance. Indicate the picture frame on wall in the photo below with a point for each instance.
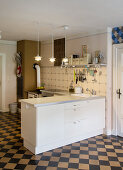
(84, 51)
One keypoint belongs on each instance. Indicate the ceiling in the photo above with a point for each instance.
(18, 18)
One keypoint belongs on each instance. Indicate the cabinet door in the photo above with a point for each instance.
(91, 116)
(74, 115)
(69, 123)
(75, 110)
(50, 124)
(96, 114)
(84, 117)
(59, 51)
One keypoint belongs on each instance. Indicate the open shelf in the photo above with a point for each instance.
(83, 65)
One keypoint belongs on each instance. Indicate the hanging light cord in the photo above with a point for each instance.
(38, 39)
(65, 43)
(52, 47)
(38, 57)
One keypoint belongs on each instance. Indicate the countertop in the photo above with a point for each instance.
(44, 101)
(56, 91)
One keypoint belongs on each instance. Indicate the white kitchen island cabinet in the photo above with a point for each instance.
(52, 124)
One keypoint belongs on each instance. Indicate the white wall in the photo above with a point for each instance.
(46, 53)
(9, 49)
(109, 99)
(74, 46)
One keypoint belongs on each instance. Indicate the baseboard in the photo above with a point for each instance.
(29, 146)
(107, 132)
(114, 132)
(5, 110)
(19, 110)
(59, 143)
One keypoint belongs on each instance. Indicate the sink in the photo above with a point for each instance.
(83, 95)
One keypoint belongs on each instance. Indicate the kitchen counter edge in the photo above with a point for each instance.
(36, 101)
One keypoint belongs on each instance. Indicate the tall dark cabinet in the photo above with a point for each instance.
(59, 51)
(27, 82)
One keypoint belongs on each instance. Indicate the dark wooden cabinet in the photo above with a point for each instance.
(59, 51)
(28, 51)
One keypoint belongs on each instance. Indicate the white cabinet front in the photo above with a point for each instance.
(83, 117)
(50, 124)
(75, 118)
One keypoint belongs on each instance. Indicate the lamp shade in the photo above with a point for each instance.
(52, 59)
(38, 58)
(65, 60)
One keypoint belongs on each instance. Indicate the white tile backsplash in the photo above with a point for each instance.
(60, 78)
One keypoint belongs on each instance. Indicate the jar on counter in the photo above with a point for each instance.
(95, 60)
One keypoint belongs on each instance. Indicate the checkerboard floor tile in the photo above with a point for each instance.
(97, 153)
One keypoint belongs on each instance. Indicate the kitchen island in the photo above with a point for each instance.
(52, 122)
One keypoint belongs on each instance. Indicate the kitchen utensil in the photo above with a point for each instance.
(95, 71)
(74, 76)
(88, 58)
(78, 89)
(95, 60)
(71, 88)
(79, 76)
(86, 67)
(91, 72)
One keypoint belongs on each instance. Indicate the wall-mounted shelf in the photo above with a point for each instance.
(83, 65)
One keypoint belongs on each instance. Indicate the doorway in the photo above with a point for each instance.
(118, 89)
(2, 81)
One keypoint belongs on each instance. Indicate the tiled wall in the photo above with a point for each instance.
(117, 35)
(60, 78)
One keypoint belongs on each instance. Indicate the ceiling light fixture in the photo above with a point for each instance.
(38, 57)
(52, 59)
(65, 60)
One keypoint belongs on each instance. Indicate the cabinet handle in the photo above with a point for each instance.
(119, 93)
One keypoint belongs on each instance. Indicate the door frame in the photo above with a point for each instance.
(3, 84)
(116, 47)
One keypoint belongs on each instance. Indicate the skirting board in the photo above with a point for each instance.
(5, 110)
(114, 132)
(19, 110)
(56, 144)
(107, 132)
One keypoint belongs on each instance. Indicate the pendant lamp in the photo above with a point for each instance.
(65, 60)
(38, 57)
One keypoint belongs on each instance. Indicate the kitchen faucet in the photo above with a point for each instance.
(93, 92)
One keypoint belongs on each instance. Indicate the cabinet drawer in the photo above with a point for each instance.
(76, 128)
(75, 113)
(74, 105)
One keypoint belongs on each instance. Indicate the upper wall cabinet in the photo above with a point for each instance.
(59, 51)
